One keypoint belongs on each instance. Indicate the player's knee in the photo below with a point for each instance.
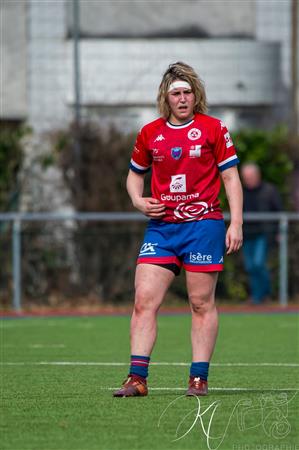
(144, 301)
(201, 303)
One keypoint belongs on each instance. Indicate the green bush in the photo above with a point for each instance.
(95, 169)
(270, 150)
(95, 162)
(11, 158)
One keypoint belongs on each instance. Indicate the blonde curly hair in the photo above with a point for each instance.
(181, 71)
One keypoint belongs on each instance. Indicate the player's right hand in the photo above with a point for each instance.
(151, 207)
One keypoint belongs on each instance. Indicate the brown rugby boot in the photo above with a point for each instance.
(133, 386)
(197, 387)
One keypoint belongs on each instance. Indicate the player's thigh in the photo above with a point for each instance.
(201, 287)
(151, 284)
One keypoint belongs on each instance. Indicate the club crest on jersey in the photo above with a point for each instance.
(194, 134)
(176, 152)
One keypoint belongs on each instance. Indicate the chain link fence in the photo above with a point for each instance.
(53, 259)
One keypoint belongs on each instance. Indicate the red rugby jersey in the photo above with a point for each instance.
(185, 160)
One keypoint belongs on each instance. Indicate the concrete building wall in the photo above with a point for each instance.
(49, 64)
(122, 73)
(273, 24)
(235, 71)
(49, 76)
(129, 71)
(154, 18)
(237, 74)
(13, 78)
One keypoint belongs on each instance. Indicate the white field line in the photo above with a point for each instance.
(213, 389)
(35, 346)
(176, 364)
(46, 346)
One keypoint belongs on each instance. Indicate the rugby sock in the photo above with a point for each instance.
(139, 365)
(200, 369)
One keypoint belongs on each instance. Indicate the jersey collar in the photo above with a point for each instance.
(177, 127)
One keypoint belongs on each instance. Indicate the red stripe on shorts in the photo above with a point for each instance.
(203, 268)
(159, 260)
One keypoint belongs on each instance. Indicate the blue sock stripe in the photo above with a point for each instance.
(139, 365)
(200, 369)
(144, 358)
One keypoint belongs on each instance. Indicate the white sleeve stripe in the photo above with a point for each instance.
(231, 158)
(138, 165)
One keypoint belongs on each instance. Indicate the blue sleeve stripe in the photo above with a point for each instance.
(229, 164)
(141, 171)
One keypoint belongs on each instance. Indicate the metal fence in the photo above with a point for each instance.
(17, 221)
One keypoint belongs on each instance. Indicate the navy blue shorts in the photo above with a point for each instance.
(198, 246)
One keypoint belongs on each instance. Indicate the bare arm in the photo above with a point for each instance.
(149, 206)
(234, 193)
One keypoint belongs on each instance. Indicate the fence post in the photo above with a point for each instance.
(16, 258)
(283, 260)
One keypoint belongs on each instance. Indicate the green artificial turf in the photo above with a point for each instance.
(70, 406)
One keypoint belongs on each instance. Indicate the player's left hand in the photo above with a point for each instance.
(234, 238)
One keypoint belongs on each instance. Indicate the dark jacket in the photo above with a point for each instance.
(264, 198)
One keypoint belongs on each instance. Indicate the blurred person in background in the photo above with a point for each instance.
(259, 196)
(188, 151)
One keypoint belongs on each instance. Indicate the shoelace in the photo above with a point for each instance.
(196, 382)
(131, 380)
(126, 381)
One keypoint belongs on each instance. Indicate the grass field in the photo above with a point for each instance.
(58, 375)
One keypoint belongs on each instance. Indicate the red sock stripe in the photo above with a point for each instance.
(139, 363)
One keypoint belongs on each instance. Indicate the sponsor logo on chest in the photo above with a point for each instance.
(157, 156)
(195, 151)
(178, 183)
